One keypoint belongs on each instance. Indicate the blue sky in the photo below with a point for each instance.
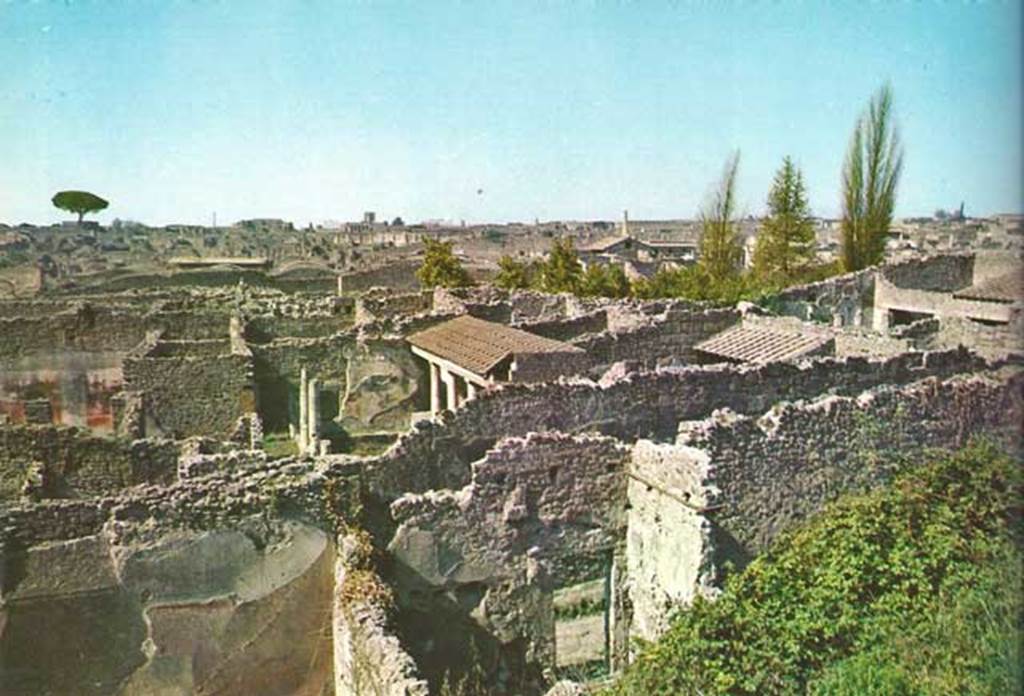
(313, 110)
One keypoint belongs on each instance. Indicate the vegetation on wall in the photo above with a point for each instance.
(911, 589)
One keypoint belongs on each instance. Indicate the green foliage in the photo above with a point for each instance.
(785, 244)
(720, 250)
(601, 280)
(871, 173)
(80, 202)
(514, 275)
(440, 268)
(694, 283)
(561, 271)
(911, 589)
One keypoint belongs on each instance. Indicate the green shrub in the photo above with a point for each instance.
(911, 589)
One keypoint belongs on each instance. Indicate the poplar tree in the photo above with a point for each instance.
(786, 241)
(720, 249)
(871, 173)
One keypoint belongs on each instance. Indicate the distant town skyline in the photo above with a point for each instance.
(174, 111)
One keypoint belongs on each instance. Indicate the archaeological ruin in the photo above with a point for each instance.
(253, 487)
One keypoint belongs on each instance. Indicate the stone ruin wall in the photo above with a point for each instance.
(188, 394)
(575, 590)
(541, 515)
(732, 483)
(630, 406)
(58, 462)
(846, 300)
(939, 273)
(396, 275)
(368, 659)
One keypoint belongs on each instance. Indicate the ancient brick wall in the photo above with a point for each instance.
(942, 273)
(667, 338)
(641, 404)
(733, 483)
(186, 395)
(76, 464)
(381, 303)
(397, 276)
(566, 329)
(541, 513)
(845, 300)
(368, 658)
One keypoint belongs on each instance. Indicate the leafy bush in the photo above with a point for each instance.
(912, 589)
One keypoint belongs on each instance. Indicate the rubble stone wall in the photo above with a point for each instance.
(769, 472)
(189, 395)
(987, 340)
(668, 338)
(368, 659)
(940, 273)
(631, 405)
(845, 300)
(397, 276)
(733, 483)
(72, 463)
(540, 513)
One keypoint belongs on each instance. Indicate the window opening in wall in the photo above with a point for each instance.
(902, 317)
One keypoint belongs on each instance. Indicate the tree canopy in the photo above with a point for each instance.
(440, 268)
(80, 202)
(513, 274)
(871, 174)
(786, 240)
(561, 271)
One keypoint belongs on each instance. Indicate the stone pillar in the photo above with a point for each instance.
(452, 392)
(303, 413)
(313, 416)
(435, 390)
(471, 390)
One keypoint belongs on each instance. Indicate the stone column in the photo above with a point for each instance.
(303, 411)
(313, 416)
(435, 390)
(453, 393)
(471, 390)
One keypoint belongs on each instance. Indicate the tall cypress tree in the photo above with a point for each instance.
(786, 240)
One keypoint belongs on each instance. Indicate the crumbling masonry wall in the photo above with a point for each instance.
(732, 483)
(71, 463)
(541, 513)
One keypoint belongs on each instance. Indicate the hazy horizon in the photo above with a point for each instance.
(320, 111)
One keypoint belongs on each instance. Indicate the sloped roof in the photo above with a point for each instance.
(762, 345)
(605, 243)
(479, 345)
(1008, 287)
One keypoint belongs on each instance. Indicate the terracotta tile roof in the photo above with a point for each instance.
(762, 345)
(479, 345)
(1008, 287)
